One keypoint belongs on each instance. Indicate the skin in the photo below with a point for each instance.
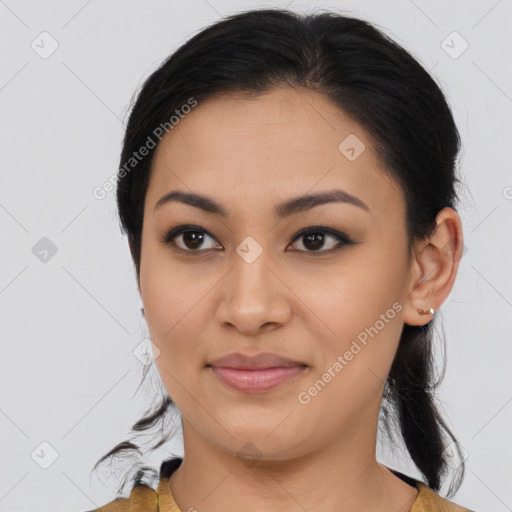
(248, 154)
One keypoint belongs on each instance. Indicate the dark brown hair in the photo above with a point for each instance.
(386, 90)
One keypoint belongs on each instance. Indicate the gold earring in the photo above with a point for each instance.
(423, 312)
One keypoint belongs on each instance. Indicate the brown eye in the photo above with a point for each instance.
(316, 238)
(188, 238)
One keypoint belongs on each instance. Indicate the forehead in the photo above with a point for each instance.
(269, 147)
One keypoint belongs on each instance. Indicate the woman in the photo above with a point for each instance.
(287, 185)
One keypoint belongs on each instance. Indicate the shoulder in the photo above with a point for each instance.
(142, 497)
(429, 501)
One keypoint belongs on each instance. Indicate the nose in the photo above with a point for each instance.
(254, 297)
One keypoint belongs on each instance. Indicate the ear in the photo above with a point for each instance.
(434, 267)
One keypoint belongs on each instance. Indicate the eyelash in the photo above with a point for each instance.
(342, 239)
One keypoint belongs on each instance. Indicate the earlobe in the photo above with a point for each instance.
(419, 316)
(436, 264)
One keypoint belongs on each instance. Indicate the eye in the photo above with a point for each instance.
(314, 238)
(192, 239)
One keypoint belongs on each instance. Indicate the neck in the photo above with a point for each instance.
(339, 476)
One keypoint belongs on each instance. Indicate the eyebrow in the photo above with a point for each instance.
(289, 207)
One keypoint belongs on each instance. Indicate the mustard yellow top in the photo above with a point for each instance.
(145, 498)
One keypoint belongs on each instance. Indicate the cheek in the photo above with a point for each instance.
(362, 302)
(371, 277)
(174, 303)
(362, 309)
(170, 313)
(377, 274)
(164, 291)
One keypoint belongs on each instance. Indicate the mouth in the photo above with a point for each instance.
(256, 381)
(255, 373)
(262, 361)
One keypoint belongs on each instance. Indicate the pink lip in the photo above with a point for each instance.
(260, 361)
(253, 381)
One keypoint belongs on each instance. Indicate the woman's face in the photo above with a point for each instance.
(244, 282)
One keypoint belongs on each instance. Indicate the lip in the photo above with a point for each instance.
(260, 361)
(257, 381)
(256, 374)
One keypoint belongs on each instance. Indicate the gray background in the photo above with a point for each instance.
(70, 321)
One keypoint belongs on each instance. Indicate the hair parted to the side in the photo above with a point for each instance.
(387, 91)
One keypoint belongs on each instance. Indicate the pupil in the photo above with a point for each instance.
(194, 237)
(319, 240)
